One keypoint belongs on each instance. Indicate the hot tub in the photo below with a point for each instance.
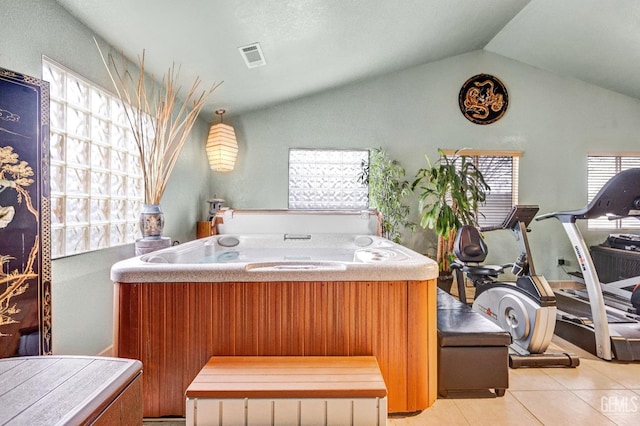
(291, 293)
(277, 257)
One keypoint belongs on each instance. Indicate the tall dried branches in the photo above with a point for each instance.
(160, 121)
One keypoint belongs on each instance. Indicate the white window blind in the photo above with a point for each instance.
(601, 168)
(500, 171)
(501, 174)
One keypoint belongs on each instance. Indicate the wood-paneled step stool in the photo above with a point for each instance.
(288, 390)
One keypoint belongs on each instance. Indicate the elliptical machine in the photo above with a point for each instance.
(525, 308)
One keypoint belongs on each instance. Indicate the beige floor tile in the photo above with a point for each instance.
(560, 408)
(505, 410)
(621, 406)
(559, 345)
(626, 419)
(532, 379)
(627, 375)
(583, 377)
(442, 412)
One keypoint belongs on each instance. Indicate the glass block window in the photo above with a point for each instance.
(96, 181)
(327, 179)
(601, 168)
(500, 171)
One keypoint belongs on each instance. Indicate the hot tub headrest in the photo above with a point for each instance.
(362, 222)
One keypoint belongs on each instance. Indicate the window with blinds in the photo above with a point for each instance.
(601, 168)
(501, 174)
(500, 171)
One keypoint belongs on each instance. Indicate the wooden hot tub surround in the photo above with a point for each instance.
(175, 328)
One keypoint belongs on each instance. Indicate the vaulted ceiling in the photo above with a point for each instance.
(314, 45)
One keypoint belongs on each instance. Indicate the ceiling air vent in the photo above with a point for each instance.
(252, 55)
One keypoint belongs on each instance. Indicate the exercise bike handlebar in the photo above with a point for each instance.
(518, 214)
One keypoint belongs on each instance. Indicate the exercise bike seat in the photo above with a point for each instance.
(469, 245)
(471, 251)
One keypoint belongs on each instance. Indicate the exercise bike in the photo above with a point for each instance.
(526, 308)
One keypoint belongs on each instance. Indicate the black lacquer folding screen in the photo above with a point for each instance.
(25, 221)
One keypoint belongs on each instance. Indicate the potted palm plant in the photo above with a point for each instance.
(387, 190)
(450, 192)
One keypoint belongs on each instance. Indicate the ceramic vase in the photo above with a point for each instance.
(151, 221)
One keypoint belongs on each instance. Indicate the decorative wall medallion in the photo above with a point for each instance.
(483, 99)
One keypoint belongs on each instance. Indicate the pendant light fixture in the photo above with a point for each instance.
(222, 148)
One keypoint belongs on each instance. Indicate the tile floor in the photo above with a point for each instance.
(595, 393)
